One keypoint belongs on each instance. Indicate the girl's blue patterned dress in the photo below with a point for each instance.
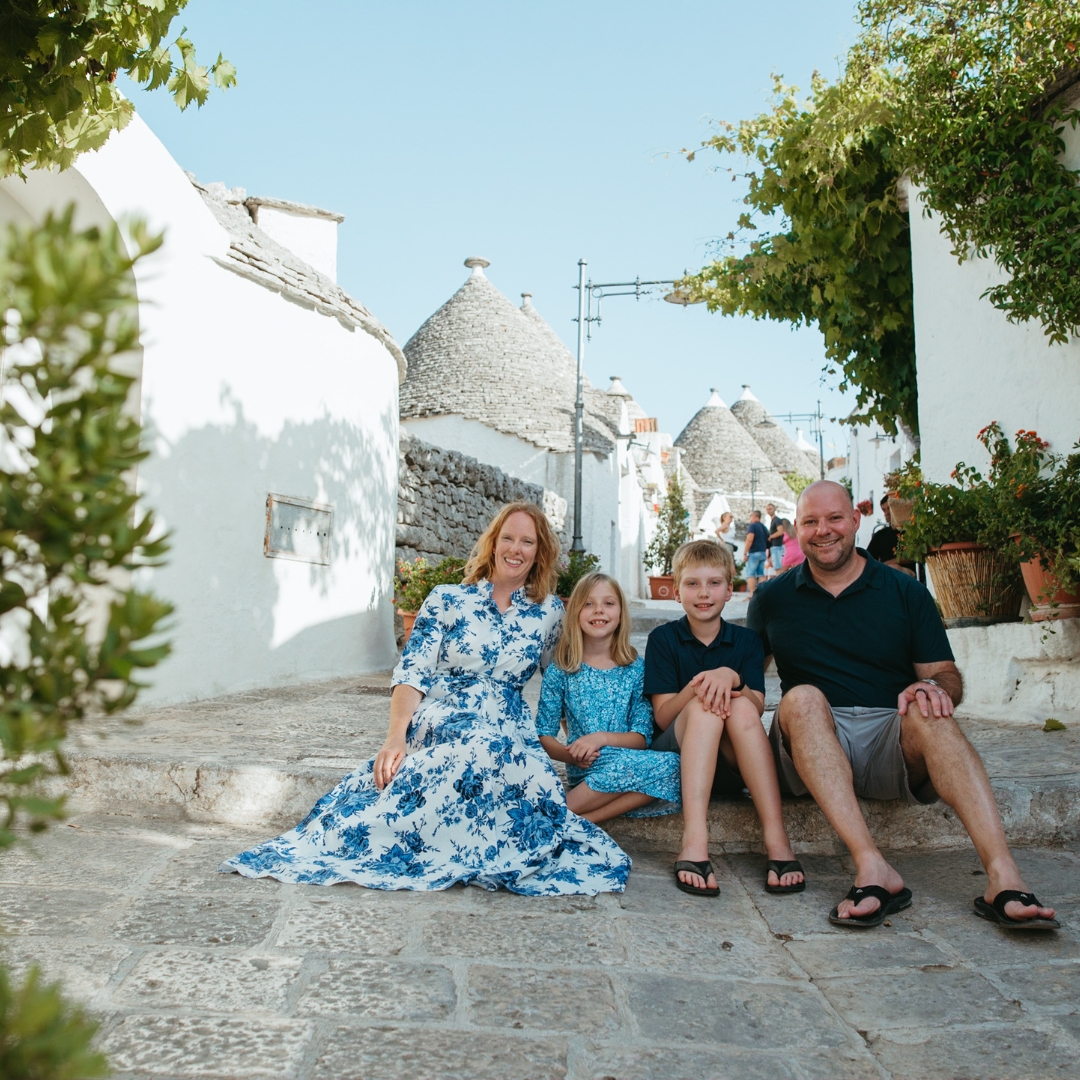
(610, 700)
(476, 799)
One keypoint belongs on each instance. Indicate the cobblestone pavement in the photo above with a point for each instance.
(200, 974)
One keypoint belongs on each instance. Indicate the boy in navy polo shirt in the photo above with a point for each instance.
(706, 679)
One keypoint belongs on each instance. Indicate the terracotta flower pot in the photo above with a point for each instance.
(662, 586)
(973, 585)
(1048, 599)
(900, 511)
(407, 618)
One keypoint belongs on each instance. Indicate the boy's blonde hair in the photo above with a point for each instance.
(545, 571)
(571, 648)
(703, 553)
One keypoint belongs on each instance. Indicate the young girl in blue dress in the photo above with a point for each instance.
(594, 685)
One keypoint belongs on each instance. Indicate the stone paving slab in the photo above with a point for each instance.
(264, 757)
(193, 973)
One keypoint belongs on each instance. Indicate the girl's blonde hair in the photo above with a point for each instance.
(571, 648)
(544, 573)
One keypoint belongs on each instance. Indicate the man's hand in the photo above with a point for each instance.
(932, 700)
(715, 689)
(587, 749)
(387, 761)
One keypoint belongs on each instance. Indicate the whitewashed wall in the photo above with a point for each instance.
(973, 365)
(245, 392)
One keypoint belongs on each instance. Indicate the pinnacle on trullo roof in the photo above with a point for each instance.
(482, 358)
(719, 454)
(768, 434)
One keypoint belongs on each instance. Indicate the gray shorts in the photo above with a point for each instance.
(870, 739)
(727, 783)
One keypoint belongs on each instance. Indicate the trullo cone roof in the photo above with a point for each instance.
(769, 435)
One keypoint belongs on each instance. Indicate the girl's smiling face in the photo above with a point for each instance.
(601, 613)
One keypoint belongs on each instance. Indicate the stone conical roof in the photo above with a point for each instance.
(719, 454)
(768, 434)
(809, 452)
(480, 357)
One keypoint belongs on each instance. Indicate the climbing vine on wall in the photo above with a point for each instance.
(966, 96)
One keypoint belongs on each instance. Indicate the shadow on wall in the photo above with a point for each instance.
(244, 620)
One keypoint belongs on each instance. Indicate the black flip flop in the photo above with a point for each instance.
(780, 867)
(890, 903)
(995, 912)
(704, 869)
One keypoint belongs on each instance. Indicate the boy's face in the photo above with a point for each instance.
(703, 591)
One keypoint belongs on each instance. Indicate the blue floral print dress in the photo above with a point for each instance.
(591, 700)
(476, 799)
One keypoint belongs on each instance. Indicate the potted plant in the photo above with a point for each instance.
(1037, 498)
(672, 531)
(416, 579)
(900, 509)
(572, 568)
(954, 530)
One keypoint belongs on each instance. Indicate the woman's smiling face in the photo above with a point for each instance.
(515, 550)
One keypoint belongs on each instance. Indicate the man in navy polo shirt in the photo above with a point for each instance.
(869, 686)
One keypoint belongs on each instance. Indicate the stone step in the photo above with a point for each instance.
(264, 758)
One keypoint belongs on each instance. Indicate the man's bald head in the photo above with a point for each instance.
(828, 488)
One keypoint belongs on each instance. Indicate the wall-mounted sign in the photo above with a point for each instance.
(297, 529)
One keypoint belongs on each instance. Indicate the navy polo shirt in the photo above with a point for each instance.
(858, 648)
(673, 656)
(760, 535)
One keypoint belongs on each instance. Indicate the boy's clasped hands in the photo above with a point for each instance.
(715, 689)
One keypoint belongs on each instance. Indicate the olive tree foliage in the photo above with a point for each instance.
(58, 63)
(967, 98)
(75, 632)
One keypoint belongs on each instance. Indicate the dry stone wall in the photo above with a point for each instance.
(446, 498)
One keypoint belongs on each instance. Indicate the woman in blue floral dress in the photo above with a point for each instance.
(461, 789)
(595, 686)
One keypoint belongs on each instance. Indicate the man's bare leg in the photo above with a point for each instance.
(807, 725)
(745, 739)
(935, 747)
(598, 806)
(698, 733)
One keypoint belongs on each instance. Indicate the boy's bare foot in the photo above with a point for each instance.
(692, 853)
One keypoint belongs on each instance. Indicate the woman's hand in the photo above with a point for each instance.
(388, 760)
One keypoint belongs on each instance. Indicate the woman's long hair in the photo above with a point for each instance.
(544, 573)
(571, 648)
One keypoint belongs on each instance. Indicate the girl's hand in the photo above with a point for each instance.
(388, 760)
(587, 749)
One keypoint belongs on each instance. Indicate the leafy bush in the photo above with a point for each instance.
(416, 579)
(672, 530)
(572, 568)
(798, 482)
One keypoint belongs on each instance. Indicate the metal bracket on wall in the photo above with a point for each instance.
(297, 529)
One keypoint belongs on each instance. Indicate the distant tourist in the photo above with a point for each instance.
(869, 687)
(793, 553)
(776, 539)
(461, 790)
(883, 543)
(755, 551)
(594, 687)
(725, 531)
(706, 679)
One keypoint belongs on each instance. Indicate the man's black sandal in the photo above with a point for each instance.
(890, 903)
(780, 867)
(704, 869)
(995, 911)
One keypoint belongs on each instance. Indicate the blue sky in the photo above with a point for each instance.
(532, 133)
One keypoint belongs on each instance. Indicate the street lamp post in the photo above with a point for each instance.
(587, 291)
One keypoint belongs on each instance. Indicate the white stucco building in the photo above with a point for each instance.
(494, 381)
(259, 376)
(975, 366)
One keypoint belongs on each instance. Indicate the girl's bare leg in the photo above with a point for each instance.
(597, 806)
(745, 738)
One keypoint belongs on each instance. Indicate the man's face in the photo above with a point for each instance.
(770, 509)
(826, 527)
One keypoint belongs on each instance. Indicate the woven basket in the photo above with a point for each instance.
(973, 582)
